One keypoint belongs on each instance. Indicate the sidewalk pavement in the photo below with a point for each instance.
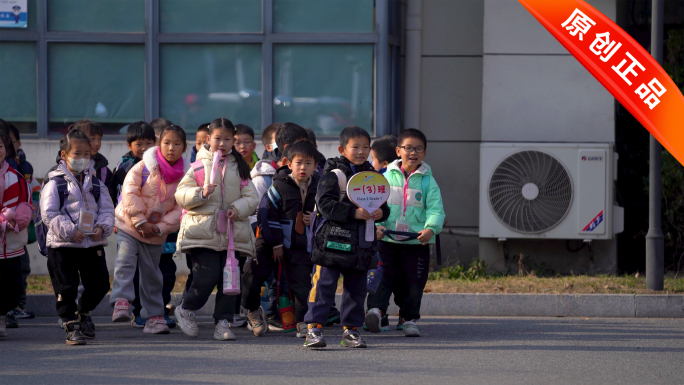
(491, 305)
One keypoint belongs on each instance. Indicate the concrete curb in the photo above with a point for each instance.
(492, 305)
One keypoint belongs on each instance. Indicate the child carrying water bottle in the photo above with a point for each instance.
(205, 233)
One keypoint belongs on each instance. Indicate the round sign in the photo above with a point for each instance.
(368, 190)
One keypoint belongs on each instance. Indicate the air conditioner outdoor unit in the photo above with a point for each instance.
(548, 191)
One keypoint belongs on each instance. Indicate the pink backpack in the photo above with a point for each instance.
(198, 169)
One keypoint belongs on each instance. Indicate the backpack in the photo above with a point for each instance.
(63, 193)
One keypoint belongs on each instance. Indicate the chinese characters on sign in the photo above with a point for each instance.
(371, 189)
(602, 46)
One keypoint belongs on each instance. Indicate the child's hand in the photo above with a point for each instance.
(98, 234)
(362, 214)
(231, 214)
(380, 232)
(208, 190)
(425, 236)
(78, 236)
(377, 214)
(307, 218)
(278, 254)
(148, 230)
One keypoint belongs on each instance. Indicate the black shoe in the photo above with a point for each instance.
(274, 323)
(21, 313)
(314, 339)
(352, 339)
(10, 321)
(74, 335)
(333, 316)
(88, 327)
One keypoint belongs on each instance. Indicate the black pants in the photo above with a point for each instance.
(168, 270)
(25, 272)
(207, 273)
(10, 284)
(188, 261)
(69, 265)
(405, 270)
(259, 270)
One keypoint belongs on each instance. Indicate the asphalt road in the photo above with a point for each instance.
(451, 350)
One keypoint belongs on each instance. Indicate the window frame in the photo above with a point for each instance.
(385, 65)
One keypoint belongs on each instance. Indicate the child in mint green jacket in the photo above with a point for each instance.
(415, 206)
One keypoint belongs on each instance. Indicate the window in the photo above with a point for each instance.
(324, 64)
(101, 82)
(18, 85)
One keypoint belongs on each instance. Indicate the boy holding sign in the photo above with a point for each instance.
(416, 206)
(339, 244)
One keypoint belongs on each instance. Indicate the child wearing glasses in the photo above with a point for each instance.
(415, 206)
(245, 144)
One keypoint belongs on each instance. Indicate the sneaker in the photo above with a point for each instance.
(352, 339)
(333, 316)
(400, 324)
(222, 331)
(74, 335)
(3, 327)
(238, 321)
(257, 322)
(10, 321)
(120, 313)
(384, 323)
(274, 324)
(411, 329)
(186, 321)
(138, 322)
(170, 322)
(302, 329)
(87, 326)
(156, 325)
(21, 313)
(373, 319)
(314, 338)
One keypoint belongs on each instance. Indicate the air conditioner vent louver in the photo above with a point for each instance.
(530, 191)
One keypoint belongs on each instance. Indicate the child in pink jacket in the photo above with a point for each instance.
(148, 212)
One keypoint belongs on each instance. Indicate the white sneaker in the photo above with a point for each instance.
(302, 329)
(156, 325)
(222, 331)
(186, 321)
(3, 327)
(373, 319)
(411, 329)
(238, 321)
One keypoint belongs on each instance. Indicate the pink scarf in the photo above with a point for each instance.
(169, 173)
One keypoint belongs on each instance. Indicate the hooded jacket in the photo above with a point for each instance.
(128, 160)
(424, 209)
(137, 200)
(198, 226)
(262, 177)
(277, 217)
(62, 224)
(98, 165)
(341, 227)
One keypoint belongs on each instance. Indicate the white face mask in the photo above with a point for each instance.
(274, 146)
(77, 165)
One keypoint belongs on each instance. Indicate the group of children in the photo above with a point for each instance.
(286, 216)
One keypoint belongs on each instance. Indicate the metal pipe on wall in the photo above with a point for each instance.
(414, 37)
(655, 254)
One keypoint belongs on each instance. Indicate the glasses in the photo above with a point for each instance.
(240, 144)
(410, 149)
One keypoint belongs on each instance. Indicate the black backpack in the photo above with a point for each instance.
(63, 193)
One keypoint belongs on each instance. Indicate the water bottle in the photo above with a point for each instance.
(286, 311)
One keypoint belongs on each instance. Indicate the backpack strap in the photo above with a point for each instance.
(274, 197)
(198, 170)
(145, 175)
(342, 182)
(96, 189)
(103, 173)
(62, 190)
(425, 186)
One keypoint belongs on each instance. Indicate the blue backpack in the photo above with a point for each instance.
(63, 193)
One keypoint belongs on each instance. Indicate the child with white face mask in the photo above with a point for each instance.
(78, 212)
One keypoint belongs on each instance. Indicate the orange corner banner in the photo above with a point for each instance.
(620, 64)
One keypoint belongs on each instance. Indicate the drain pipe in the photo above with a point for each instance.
(414, 36)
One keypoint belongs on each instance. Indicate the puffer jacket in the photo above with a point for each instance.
(262, 177)
(424, 209)
(136, 202)
(15, 207)
(198, 226)
(62, 224)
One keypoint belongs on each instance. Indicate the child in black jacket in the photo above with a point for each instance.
(337, 247)
(284, 216)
